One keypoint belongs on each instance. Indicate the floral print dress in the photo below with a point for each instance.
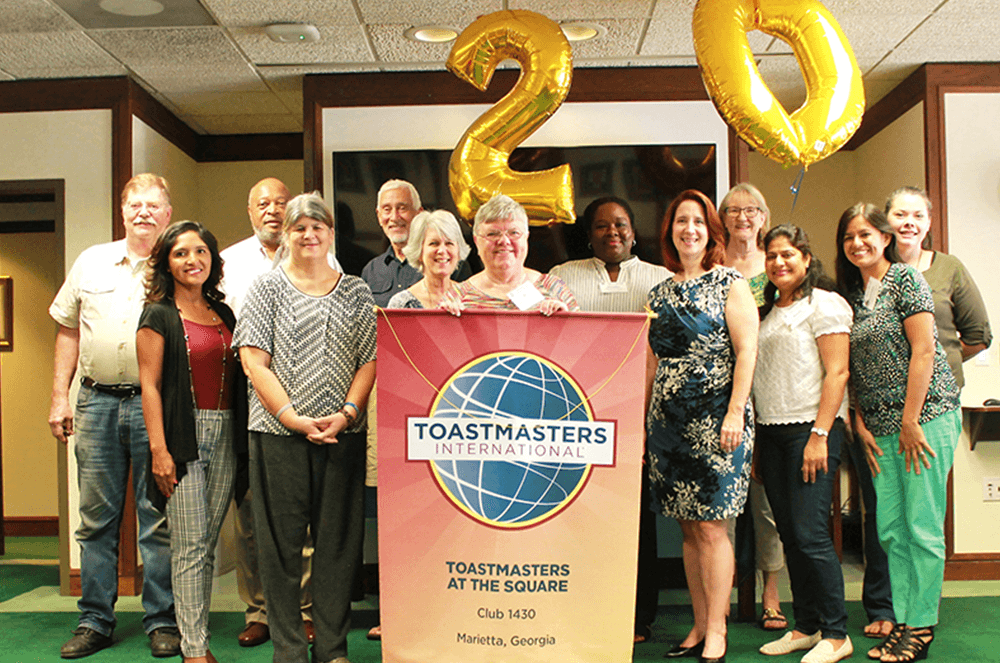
(692, 478)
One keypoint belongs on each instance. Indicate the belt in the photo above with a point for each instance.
(118, 390)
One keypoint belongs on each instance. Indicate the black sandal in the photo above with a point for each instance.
(913, 646)
(888, 642)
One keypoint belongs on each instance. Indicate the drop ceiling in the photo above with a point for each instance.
(210, 63)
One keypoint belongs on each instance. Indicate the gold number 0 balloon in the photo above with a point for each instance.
(478, 169)
(835, 98)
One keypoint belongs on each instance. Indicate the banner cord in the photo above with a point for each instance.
(649, 316)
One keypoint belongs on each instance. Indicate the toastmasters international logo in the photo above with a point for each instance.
(511, 439)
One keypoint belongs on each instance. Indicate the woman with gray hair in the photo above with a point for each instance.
(434, 248)
(306, 337)
(501, 235)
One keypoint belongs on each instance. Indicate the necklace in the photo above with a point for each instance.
(187, 349)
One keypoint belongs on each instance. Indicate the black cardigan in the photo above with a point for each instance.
(178, 407)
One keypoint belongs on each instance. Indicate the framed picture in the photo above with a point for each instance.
(6, 314)
(348, 173)
(387, 169)
(595, 179)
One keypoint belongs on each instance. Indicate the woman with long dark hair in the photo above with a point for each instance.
(907, 397)
(798, 388)
(188, 374)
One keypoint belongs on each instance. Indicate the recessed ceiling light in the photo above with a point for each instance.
(131, 7)
(292, 33)
(581, 31)
(434, 34)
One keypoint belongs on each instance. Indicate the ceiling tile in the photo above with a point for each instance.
(4, 76)
(669, 35)
(292, 101)
(413, 66)
(55, 55)
(674, 9)
(585, 10)
(33, 16)
(248, 124)
(338, 43)
(254, 12)
(182, 59)
(622, 40)
(455, 13)
(392, 46)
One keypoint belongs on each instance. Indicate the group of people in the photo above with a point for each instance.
(247, 374)
(729, 400)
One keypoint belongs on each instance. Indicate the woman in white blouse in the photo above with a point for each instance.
(798, 389)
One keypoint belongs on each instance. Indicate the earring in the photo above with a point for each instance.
(590, 246)
(633, 242)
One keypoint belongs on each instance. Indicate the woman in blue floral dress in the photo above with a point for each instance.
(699, 426)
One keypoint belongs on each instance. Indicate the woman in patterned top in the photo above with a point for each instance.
(699, 422)
(907, 397)
(798, 390)
(501, 235)
(306, 337)
(746, 218)
(189, 375)
(435, 247)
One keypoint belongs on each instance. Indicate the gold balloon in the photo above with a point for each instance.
(835, 97)
(478, 169)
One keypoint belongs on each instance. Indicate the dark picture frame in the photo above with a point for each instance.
(6, 313)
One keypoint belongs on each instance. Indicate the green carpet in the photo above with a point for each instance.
(969, 631)
(31, 547)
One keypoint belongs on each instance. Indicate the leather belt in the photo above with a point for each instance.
(116, 390)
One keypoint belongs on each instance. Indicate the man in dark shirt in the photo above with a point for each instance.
(388, 273)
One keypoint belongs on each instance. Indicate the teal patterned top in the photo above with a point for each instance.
(757, 284)
(880, 353)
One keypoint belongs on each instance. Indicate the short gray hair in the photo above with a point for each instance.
(498, 208)
(753, 192)
(310, 206)
(392, 185)
(445, 223)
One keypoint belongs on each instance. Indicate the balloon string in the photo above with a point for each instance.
(649, 316)
(796, 186)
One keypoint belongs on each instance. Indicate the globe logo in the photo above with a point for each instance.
(511, 494)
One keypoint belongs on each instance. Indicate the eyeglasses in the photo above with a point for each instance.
(496, 235)
(750, 212)
(153, 208)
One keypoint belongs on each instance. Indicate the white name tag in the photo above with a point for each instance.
(612, 287)
(872, 290)
(525, 296)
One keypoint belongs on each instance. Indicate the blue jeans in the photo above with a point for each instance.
(110, 438)
(802, 515)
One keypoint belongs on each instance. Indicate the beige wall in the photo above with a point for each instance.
(152, 153)
(972, 138)
(828, 188)
(893, 158)
(74, 146)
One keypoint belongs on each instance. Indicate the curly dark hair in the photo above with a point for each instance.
(715, 251)
(816, 276)
(849, 276)
(159, 280)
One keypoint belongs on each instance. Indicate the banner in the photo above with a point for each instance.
(509, 453)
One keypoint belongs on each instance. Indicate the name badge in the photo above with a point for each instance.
(525, 296)
(613, 287)
(872, 290)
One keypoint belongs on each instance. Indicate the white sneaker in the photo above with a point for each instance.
(825, 653)
(787, 644)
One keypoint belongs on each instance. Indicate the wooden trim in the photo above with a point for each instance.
(312, 134)
(156, 115)
(890, 108)
(250, 147)
(31, 526)
(739, 158)
(121, 162)
(62, 94)
(973, 567)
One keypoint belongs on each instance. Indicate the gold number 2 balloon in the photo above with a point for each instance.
(478, 169)
(835, 97)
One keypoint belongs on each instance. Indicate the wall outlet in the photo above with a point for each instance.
(991, 489)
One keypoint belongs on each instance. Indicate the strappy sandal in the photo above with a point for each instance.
(913, 646)
(888, 642)
(779, 621)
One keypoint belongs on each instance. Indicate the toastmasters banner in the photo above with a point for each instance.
(509, 454)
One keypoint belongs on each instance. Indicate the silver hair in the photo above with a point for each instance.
(392, 185)
(445, 223)
(753, 192)
(499, 208)
(310, 206)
